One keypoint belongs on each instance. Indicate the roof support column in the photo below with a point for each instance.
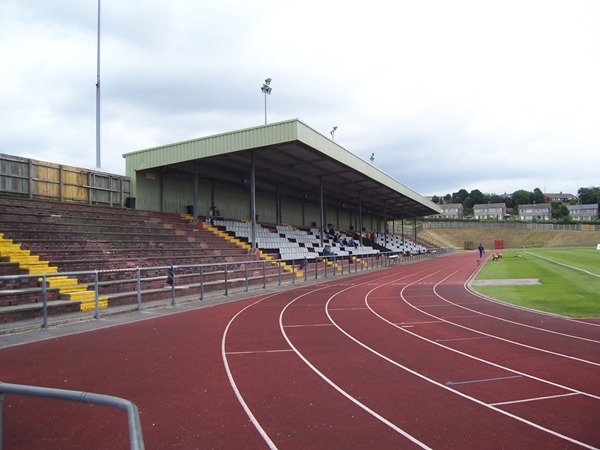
(161, 188)
(360, 220)
(384, 225)
(253, 201)
(196, 213)
(322, 218)
(304, 210)
(415, 228)
(277, 206)
(212, 192)
(402, 224)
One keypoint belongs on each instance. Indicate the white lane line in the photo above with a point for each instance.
(338, 388)
(562, 355)
(535, 399)
(254, 352)
(492, 336)
(463, 339)
(508, 305)
(232, 382)
(479, 313)
(237, 392)
(441, 385)
(482, 380)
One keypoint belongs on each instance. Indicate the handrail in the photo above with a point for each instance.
(136, 440)
(381, 259)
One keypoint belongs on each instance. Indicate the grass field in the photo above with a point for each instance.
(569, 280)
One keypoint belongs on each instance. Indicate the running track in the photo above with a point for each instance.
(405, 357)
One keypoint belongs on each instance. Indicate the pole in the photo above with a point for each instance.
(98, 165)
(265, 107)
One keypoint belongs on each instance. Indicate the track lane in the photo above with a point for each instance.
(385, 384)
(587, 423)
(291, 406)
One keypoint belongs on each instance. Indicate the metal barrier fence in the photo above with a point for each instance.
(136, 440)
(226, 276)
(539, 226)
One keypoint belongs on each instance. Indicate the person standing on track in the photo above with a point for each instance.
(481, 250)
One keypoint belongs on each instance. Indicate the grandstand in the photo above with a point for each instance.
(84, 245)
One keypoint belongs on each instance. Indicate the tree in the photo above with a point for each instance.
(538, 196)
(560, 211)
(460, 196)
(589, 196)
(435, 199)
(476, 197)
(522, 197)
(495, 198)
(447, 198)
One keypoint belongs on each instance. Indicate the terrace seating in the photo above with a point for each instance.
(54, 238)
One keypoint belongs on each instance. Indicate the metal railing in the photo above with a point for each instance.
(193, 281)
(540, 226)
(136, 440)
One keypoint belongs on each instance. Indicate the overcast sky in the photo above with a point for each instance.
(489, 95)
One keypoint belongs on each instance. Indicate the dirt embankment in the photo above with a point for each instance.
(457, 237)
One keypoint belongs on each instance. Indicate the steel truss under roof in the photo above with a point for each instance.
(292, 159)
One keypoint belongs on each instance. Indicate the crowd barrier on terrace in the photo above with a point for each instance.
(235, 277)
(43, 180)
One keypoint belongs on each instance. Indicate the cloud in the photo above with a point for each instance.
(495, 96)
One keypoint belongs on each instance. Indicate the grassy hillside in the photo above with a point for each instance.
(456, 237)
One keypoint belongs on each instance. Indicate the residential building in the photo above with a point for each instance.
(559, 198)
(583, 212)
(540, 211)
(495, 211)
(451, 211)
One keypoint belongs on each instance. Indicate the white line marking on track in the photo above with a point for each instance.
(535, 399)
(252, 352)
(418, 323)
(237, 392)
(475, 400)
(463, 339)
(514, 323)
(485, 334)
(549, 315)
(483, 380)
(338, 388)
(349, 309)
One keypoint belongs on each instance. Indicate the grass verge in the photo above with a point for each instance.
(570, 280)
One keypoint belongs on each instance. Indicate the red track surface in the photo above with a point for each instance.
(400, 358)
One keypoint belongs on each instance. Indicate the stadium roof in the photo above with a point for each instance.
(292, 159)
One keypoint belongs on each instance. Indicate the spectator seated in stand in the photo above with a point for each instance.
(331, 232)
(213, 214)
(327, 251)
